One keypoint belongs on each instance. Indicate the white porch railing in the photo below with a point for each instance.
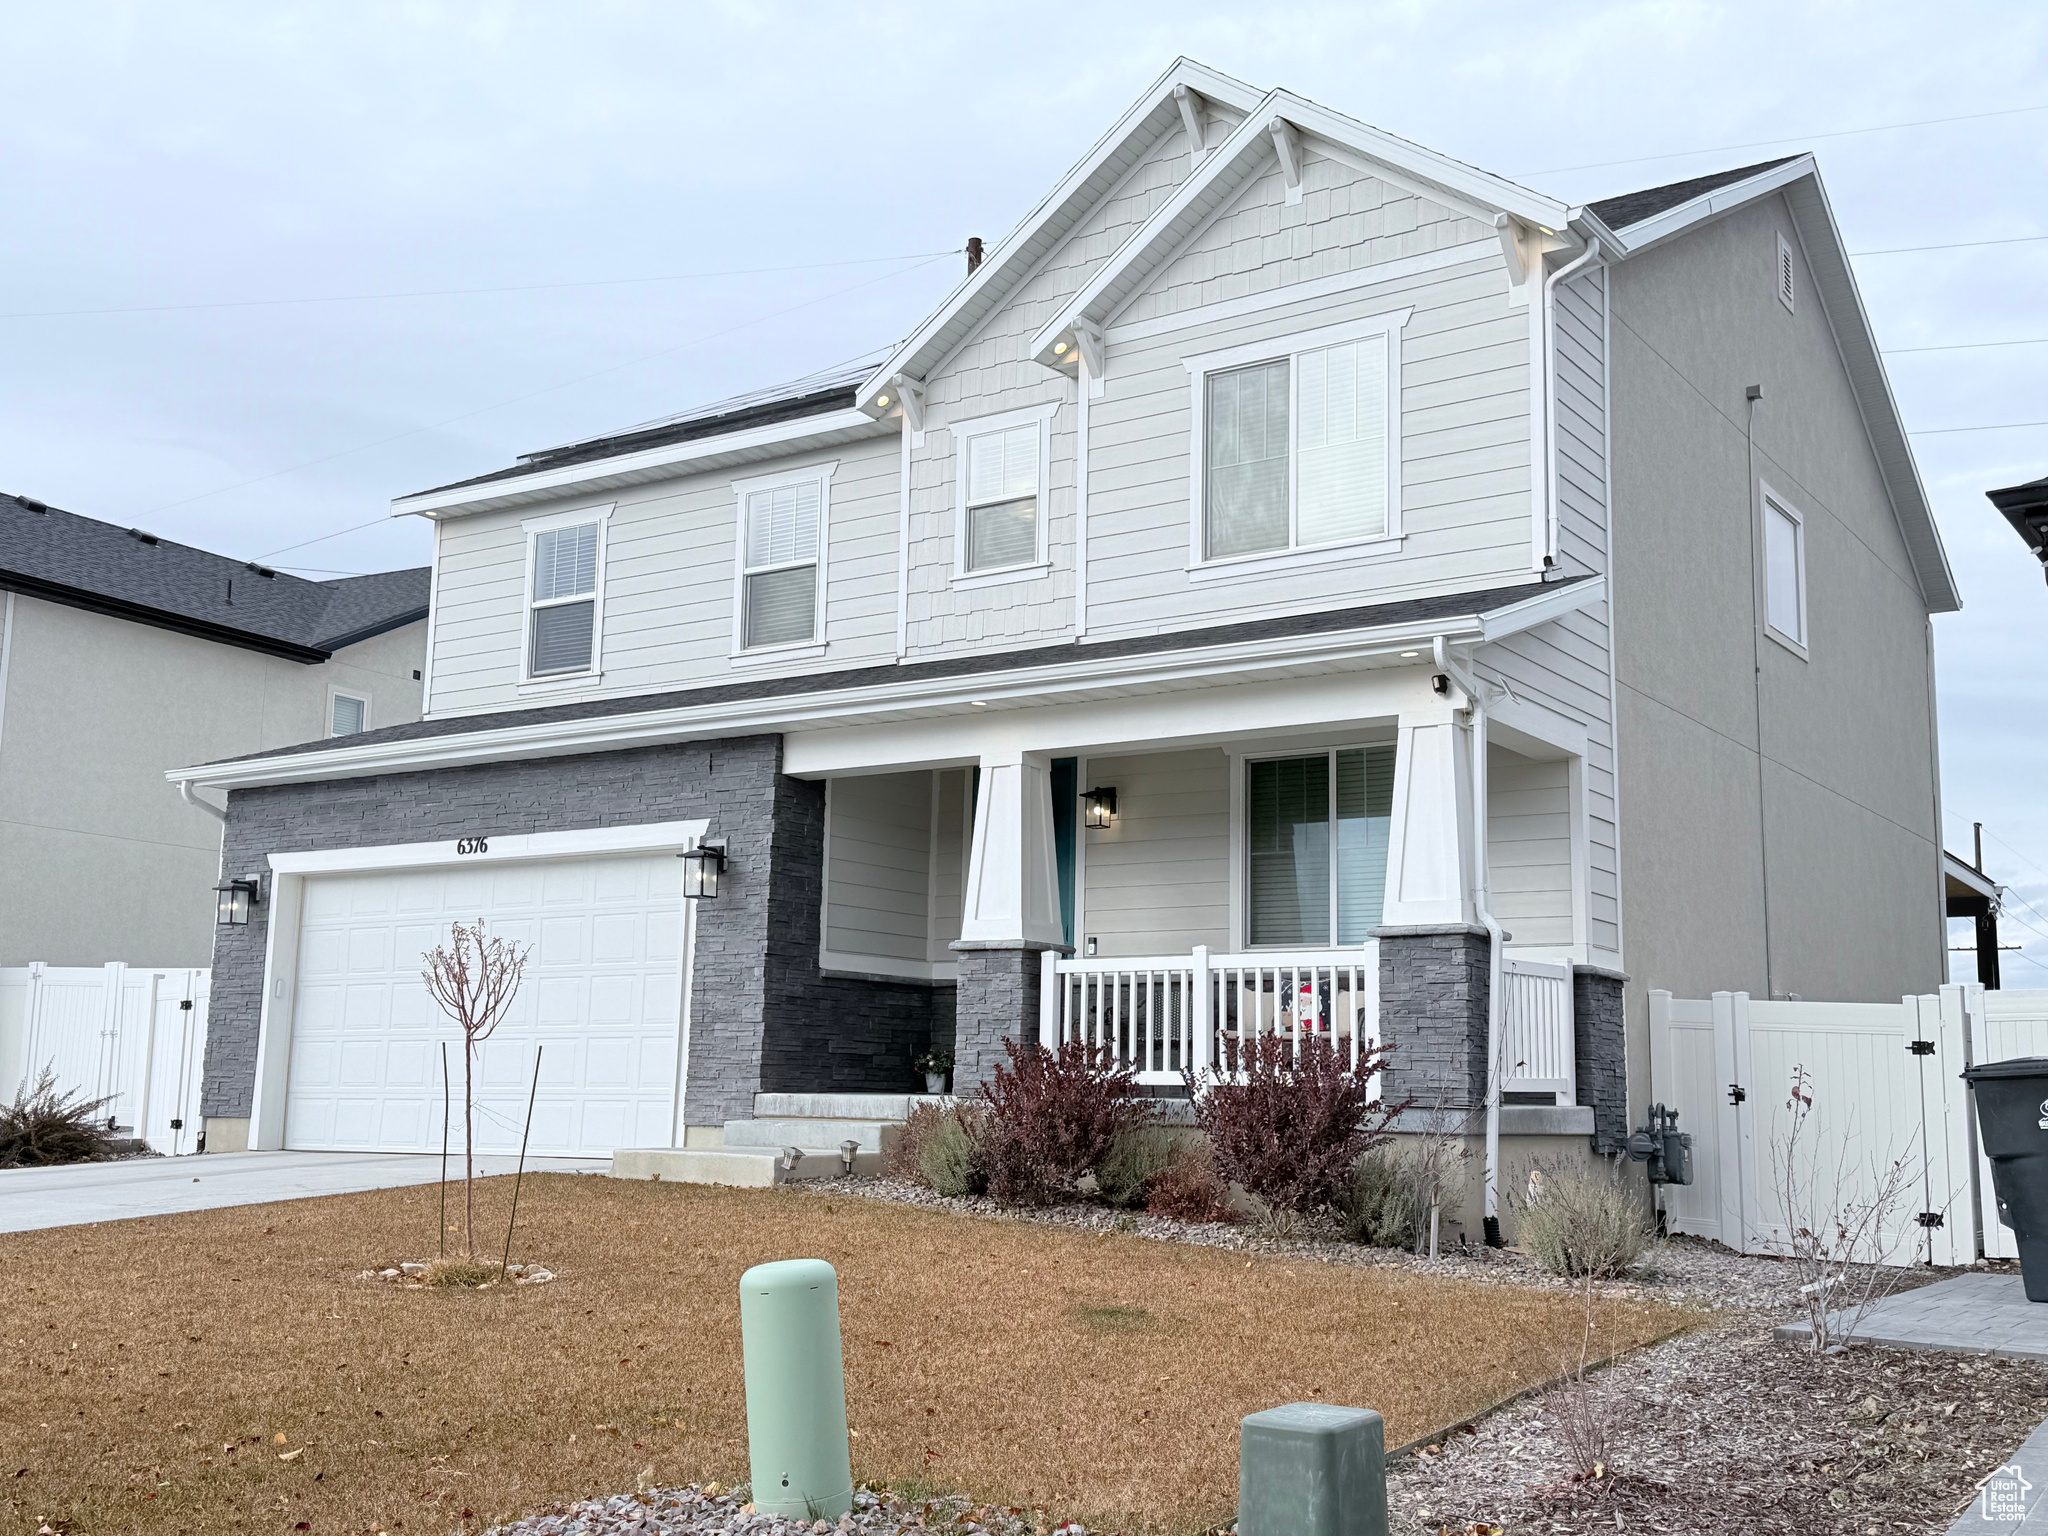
(1168, 1015)
(1537, 1021)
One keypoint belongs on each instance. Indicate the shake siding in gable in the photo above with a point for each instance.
(1463, 421)
(668, 587)
(990, 375)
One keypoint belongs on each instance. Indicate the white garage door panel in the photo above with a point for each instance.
(601, 1001)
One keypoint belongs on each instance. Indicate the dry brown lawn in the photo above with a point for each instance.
(228, 1371)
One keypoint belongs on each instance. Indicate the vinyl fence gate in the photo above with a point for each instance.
(134, 1036)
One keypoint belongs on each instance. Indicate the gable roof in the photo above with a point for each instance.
(1004, 269)
(82, 562)
(2026, 508)
(1649, 218)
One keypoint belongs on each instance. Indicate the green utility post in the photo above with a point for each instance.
(796, 1390)
(1312, 1469)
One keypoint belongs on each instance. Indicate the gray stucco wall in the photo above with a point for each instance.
(99, 858)
(762, 1016)
(1738, 756)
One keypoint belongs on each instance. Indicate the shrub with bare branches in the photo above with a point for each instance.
(1580, 1219)
(1187, 1188)
(1051, 1118)
(475, 978)
(43, 1127)
(1289, 1126)
(1841, 1244)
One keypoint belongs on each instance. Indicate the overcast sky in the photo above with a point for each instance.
(250, 219)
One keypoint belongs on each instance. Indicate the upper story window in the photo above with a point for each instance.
(1295, 443)
(565, 582)
(781, 568)
(347, 713)
(1002, 464)
(1315, 837)
(1784, 572)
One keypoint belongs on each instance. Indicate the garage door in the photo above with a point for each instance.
(601, 1001)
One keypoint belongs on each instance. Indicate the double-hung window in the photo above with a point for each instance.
(1296, 443)
(1315, 840)
(781, 576)
(1784, 572)
(562, 617)
(1002, 467)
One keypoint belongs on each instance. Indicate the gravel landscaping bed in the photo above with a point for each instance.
(710, 1511)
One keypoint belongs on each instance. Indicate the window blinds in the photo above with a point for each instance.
(1292, 883)
(1246, 492)
(1002, 498)
(565, 563)
(782, 525)
(1343, 438)
(348, 716)
(564, 568)
(1365, 817)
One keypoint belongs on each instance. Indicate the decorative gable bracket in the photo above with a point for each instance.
(909, 395)
(1194, 116)
(1523, 247)
(1287, 144)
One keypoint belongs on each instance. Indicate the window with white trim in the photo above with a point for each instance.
(562, 628)
(779, 582)
(1316, 831)
(347, 714)
(1002, 498)
(1784, 571)
(1296, 448)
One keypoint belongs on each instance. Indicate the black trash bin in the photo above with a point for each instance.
(2012, 1119)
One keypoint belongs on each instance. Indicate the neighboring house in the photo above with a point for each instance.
(1289, 558)
(123, 655)
(2026, 508)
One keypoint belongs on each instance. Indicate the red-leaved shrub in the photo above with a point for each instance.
(1051, 1118)
(1291, 1124)
(1187, 1188)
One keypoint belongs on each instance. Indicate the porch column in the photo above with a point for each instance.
(1433, 955)
(1010, 913)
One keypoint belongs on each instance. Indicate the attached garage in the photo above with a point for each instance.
(601, 1008)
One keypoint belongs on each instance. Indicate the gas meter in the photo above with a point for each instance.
(1662, 1145)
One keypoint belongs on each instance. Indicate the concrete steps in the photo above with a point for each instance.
(755, 1153)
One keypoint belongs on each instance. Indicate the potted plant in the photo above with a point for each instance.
(934, 1064)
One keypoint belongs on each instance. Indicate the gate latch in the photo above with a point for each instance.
(1921, 1047)
(1929, 1219)
(1736, 1095)
(186, 1005)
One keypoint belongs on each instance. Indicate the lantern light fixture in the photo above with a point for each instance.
(702, 866)
(1099, 807)
(233, 900)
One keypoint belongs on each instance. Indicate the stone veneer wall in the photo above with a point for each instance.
(1433, 996)
(762, 1014)
(997, 1001)
(1600, 1045)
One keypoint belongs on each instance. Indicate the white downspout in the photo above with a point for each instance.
(1482, 909)
(1547, 556)
(185, 794)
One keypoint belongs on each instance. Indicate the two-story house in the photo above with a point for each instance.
(1296, 583)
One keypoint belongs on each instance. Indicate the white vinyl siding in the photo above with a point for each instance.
(1157, 881)
(878, 861)
(563, 627)
(1529, 848)
(780, 595)
(1302, 887)
(1784, 571)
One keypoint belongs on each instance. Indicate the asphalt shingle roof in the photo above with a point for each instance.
(86, 563)
(1617, 213)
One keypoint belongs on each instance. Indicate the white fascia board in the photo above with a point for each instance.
(726, 450)
(1019, 687)
(1650, 232)
(1005, 267)
(1243, 154)
(1552, 602)
(1964, 874)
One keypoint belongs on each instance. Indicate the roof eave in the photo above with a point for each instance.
(158, 618)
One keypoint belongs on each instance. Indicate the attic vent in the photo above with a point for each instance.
(1784, 274)
(32, 504)
(261, 570)
(140, 537)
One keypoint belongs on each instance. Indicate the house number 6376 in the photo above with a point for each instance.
(473, 845)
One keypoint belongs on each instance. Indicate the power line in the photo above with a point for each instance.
(443, 293)
(1839, 133)
(1993, 426)
(1965, 346)
(1958, 245)
(323, 538)
(535, 394)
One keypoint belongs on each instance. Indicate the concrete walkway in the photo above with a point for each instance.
(2011, 1499)
(1974, 1314)
(82, 1193)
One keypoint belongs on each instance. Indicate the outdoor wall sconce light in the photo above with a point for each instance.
(234, 898)
(702, 865)
(1100, 807)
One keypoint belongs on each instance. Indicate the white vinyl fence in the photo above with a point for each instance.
(134, 1036)
(1886, 1086)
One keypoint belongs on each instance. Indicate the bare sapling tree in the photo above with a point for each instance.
(474, 977)
(1843, 1223)
(1580, 1415)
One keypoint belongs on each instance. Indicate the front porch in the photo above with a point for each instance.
(1178, 896)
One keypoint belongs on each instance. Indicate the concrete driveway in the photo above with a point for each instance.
(82, 1193)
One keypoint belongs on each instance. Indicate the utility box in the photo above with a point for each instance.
(796, 1390)
(1312, 1469)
